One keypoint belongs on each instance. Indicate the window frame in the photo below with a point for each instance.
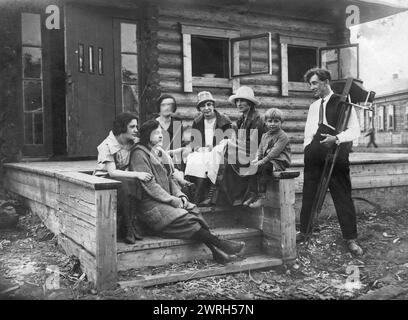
(338, 47)
(39, 80)
(234, 55)
(380, 118)
(390, 114)
(189, 81)
(285, 41)
(406, 117)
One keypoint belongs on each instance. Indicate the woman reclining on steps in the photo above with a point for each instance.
(164, 209)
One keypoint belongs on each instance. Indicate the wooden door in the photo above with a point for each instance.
(90, 77)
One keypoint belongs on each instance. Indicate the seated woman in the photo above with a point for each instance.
(209, 129)
(113, 162)
(236, 171)
(173, 138)
(164, 209)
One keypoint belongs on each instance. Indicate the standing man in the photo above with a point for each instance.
(320, 137)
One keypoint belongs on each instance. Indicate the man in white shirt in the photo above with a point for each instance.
(320, 137)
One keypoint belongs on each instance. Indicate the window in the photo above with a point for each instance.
(129, 67)
(390, 118)
(251, 55)
(297, 56)
(300, 60)
(209, 57)
(217, 57)
(91, 63)
(406, 116)
(369, 119)
(32, 79)
(361, 114)
(380, 118)
(342, 61)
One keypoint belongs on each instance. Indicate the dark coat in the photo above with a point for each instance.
(252, 120)
(159, 196)
(175, 134)
(222, 122)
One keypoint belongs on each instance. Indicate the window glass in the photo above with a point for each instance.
(32, 96)
(100, 60)
(91, 59)
(209, 57)
(348, 62)
(330, 61)
(31, 29)
(38, 128)
(129, 67)
(81, 58)
(259, 55)
(130, 98)
(128, 37)
(31, 62)
(300, 59)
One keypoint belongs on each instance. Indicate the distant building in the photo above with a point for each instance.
(390, 115)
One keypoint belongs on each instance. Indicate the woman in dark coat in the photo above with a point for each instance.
(207, 124)
(233, 177)
(164, 209)
(173, 143)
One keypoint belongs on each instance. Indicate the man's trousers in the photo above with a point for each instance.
(339, 186)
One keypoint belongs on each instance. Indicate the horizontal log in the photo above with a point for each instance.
(189, 99)
(236, 20)
(191, 113)
(167, 60)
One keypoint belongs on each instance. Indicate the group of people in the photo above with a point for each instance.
(167, 169)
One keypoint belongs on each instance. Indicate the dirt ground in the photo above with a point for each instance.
(30, 256)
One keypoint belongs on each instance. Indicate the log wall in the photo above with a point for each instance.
(267, 87)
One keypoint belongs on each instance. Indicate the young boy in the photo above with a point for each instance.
(273, 155)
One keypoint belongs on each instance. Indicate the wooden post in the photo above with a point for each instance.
(106, 251)
(278, 222)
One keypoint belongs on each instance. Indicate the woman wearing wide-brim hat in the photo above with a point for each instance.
(233, 177)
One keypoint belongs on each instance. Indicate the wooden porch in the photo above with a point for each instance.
(81, 210)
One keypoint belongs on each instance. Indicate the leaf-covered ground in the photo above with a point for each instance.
(323, 269)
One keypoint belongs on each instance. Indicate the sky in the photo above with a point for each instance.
(383, 50)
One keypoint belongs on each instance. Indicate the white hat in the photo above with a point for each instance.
(244, 92)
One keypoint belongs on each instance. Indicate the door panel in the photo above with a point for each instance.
(90, 79)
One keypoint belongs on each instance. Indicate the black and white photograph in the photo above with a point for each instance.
(222, 153)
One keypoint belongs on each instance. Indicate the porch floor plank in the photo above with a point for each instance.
(249, 263)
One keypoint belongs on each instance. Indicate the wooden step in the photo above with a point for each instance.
(154, 251)
(249, 263)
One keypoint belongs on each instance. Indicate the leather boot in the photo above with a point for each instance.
(232, 247)
(208, 201)
(221, 256)
(200, 185)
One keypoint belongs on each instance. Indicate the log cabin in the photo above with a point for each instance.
(69, 66)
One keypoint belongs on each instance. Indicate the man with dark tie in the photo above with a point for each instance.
(320, 137)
